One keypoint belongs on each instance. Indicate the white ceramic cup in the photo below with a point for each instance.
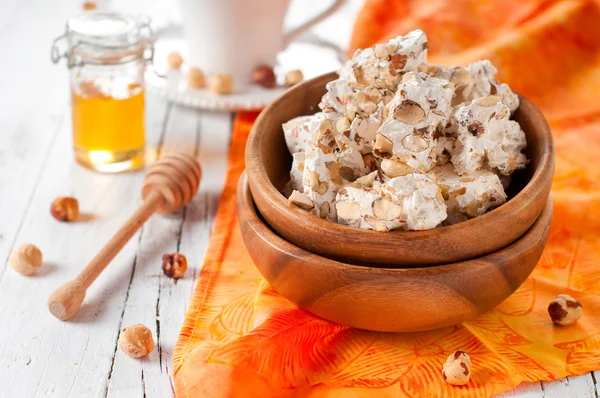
(235, 36)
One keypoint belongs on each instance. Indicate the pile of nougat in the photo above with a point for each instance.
(401, 144)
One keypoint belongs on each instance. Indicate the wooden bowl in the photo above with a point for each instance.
(389, 299)
(268, 163)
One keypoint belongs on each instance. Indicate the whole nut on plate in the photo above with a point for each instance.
(89, 5)
(136, 341)
(65, 208)
(263, 75)
(457, 368)
(195, 77)
(26, 260)
(220, 83)
(293, 77)
(174, 265)
(175, 60)
(565, 310)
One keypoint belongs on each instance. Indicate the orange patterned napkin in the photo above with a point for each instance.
(240, 338)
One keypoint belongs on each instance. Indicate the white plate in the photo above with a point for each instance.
(175, 89)
(312, 59)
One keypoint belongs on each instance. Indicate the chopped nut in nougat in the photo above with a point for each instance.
(220, 83)
(382, 66)
(410, 202)
(487, 137)
(394, 168)
(416, 116)
(263, 75)
(195, 77)
(136, 341)
(65, 208)
(301, 200)
(175, 60)
(26, 260)
(565, 310)
(475, 81)
(174, 265)
(468, 196)
(293, 77)
(457, 368)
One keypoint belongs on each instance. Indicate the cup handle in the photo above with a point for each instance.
(292, 34)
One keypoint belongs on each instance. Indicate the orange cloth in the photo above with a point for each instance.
(240, 338)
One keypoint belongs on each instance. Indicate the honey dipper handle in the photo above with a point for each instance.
(66, 300)
(89, 274)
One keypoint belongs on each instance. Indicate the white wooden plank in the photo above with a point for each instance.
(40, 355)
(157, 301)
(596, 378)
(31, 116)
(571, 386)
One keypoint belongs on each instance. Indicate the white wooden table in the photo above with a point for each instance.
(41, 356)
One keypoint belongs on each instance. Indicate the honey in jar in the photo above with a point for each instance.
(107, 54)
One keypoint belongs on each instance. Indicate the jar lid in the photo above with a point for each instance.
(105, 29)
(101, 37)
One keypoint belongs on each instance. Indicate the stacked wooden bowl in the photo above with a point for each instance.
(400, 281)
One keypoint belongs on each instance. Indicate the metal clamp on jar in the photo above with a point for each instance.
(107, 53)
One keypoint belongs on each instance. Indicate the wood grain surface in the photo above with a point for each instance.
(268, 163)
(387, 299)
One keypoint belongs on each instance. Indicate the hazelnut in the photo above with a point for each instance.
(457, 369)
(27, 259)
(565, 310)
(195, 77)
(175, 60)
(174, 265)
(65, 208)
(263, 75)
(136, 341)
(293, 77)
(220, 83)
(409, 112)
(89, 5)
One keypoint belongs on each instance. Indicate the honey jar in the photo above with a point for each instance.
(106, 53)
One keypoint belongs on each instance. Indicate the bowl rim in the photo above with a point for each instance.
(267, 234)
(258, 175)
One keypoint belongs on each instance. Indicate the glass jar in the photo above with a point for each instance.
(106, 53)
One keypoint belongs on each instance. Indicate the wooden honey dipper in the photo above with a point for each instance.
(170, 184)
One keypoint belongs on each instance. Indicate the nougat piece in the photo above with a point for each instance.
(485, 136)
(485, 84)
(458, 76)
(296, 133)
(475, 81)
(382, 66)
(470, 195)
(349, 100)
(416, 118)
(412, 202)
(326, 172)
